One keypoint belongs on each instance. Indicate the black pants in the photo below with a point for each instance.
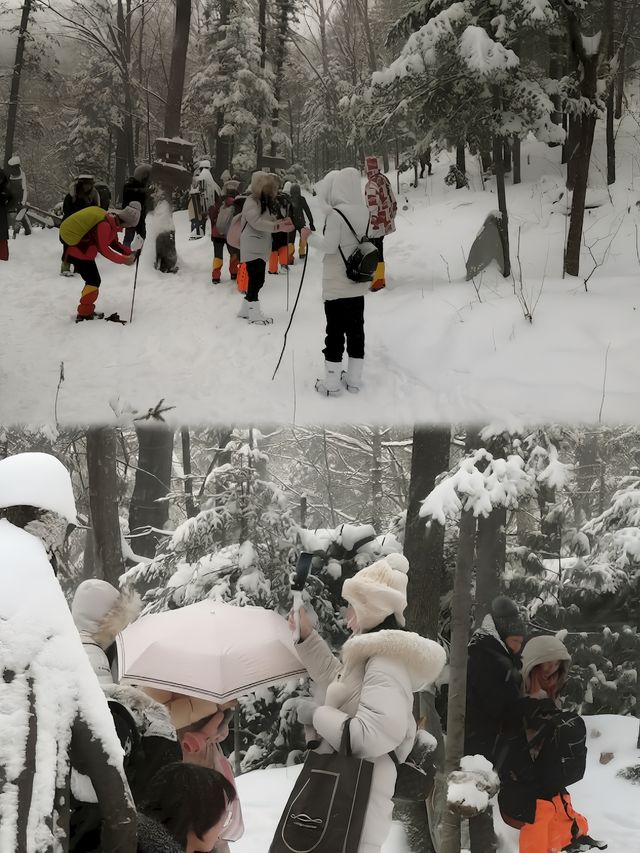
(88, 271)
(345, 320)
(256, 271)
(482, 836)
(378, 242)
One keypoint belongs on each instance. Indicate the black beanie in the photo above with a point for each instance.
(507, 618)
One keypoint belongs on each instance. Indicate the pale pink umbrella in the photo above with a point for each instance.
(210, 650)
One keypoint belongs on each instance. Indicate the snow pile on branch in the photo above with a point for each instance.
(483, 55)
(479, 484)
(420, 51)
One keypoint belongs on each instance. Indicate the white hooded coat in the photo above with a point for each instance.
(374, 686)
(100, 612)
(342, 190)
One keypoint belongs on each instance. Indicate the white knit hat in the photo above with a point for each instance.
(379, 591)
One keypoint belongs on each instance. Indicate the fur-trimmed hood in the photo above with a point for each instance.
(423, 659)
(264, 182)
(101, 611)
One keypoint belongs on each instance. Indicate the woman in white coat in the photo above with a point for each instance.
(259, 222)
(343, 299)
(381, 667)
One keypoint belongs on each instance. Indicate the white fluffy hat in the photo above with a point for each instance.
(379, 591)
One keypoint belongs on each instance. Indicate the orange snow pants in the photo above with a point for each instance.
(242, 280)
(557, 824)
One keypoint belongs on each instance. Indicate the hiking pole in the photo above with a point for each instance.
(287, 288)
(295, 305)
(135, 282)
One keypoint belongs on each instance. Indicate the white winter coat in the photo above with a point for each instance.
(257, 226)
(100, 612)
(343, 190)
(373, 685)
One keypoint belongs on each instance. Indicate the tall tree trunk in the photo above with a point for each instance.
(103, 502)
(281, 52)
(610, 133)
(262, 29)
(506, 155)
(223, 144)
(461, 162)
(456, 707)
(18, 65)
(498, 165)
(152, 483)
(555, 73)
(186, 468)
(173, 110)
(517, 160)
(424, 549)
(586, 122)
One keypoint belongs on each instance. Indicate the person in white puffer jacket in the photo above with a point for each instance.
(381, 667)
(343, 299)
(100, 612)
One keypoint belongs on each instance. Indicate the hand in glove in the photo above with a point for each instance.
(305, 710)
(305, 234)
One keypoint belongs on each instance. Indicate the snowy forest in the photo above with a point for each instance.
(307, 85)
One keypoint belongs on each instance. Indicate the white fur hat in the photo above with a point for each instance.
(379, 591)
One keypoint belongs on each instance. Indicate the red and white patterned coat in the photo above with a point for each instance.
(381, 201)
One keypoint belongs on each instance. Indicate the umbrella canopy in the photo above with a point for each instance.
(210, 650)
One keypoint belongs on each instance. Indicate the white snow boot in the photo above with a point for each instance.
(352, 376)
(256, 316)
(330, 386)
(243, 313)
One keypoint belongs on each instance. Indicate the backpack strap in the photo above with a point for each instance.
(349, 225)
(394, 758)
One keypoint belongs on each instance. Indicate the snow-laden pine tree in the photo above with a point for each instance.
(230, 97)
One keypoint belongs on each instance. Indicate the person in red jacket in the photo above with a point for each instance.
(102, 239)
(382, 211)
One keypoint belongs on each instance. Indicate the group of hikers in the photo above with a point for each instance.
(258, 228)
(94, 765)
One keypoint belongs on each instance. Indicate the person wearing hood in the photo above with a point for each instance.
(372, 684)
(82, 193)
(6, 200)
(20, 193)
(101, 239)
(100, 612)
(221, 215)
(382, 209)
(185, 810)
(136, 188)
(302, 218)
(260, 220)
(542, 753)
(341, 193)
(493, 692)
(57, 731)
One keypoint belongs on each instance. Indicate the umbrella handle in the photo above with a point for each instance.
(297, 606)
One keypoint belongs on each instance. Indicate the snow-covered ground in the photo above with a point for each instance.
(436, 349)
(609, 803)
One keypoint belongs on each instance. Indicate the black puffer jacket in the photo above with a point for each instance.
(493, 690)
(154, 838)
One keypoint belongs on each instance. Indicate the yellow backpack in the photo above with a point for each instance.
(78, 225)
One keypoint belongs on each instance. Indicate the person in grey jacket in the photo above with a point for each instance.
(259, 222)
(381, 667)
(341, 193)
